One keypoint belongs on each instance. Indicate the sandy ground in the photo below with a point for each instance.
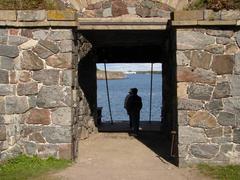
(112, 156)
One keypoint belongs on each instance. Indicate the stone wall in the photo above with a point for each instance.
(208, 76)
(43, 110)
(141, 9)
(84, 116)
(36, 87)
(81, 4)
(87, 88)
(48, 81)
(38, 18)
(36, 92)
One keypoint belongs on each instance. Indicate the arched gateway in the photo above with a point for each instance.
(48, 75)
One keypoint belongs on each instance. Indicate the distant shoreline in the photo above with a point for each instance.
(117, 75)
(111, 75)
(148, 72)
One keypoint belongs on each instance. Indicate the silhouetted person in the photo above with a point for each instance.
(133, 105)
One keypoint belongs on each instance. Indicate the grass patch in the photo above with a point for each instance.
(23, 167)
(31, 4)
(230, 172)
(199, 4)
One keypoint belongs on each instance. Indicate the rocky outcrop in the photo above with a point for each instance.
(110, 75)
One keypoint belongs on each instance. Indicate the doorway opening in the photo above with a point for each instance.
(132, 47)
(120, 78)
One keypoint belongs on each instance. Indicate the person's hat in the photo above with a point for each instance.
(133, 90)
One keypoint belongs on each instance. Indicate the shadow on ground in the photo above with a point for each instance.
(158, 143)
(149, 135)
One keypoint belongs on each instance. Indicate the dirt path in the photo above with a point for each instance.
(122, 157)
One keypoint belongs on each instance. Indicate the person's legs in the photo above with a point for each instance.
(130, 121)
(136, 119)
(137, 123)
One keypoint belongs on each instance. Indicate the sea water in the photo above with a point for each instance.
(118, 89)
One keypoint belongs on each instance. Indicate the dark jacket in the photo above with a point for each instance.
(133, 103)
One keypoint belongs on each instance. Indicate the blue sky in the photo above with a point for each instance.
(131, 67)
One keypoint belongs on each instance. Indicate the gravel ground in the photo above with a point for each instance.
(118, 156)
